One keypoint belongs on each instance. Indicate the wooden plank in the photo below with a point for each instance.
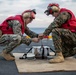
(37, 65)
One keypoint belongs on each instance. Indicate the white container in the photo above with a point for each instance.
(38, 50)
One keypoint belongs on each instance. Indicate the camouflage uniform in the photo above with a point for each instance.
(64, 40)
(13, 40)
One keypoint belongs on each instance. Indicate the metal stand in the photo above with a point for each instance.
(25, 54)
(42, 48)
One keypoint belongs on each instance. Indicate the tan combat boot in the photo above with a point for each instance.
(57, 59)
(7, 56)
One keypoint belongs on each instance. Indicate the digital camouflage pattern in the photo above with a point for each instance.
(13, 40)
(64, 40)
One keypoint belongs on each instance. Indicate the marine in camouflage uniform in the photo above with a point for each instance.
(64, 39)
(11, 41)
(59, 35)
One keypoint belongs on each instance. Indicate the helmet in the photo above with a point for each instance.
(29, 13)
(53, 4)
(52, 7)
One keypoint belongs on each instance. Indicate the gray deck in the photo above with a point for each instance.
(9, 67)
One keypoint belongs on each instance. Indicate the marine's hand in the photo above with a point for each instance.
(35, 40)
(40, 36)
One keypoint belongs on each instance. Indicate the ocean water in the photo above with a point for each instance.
(38, 30)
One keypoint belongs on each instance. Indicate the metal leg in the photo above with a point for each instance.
(52, 50)
(25, 54)
(43, 53)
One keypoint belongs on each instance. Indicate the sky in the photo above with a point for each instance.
(15, 7)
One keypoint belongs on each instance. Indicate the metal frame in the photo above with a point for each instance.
(25, 54)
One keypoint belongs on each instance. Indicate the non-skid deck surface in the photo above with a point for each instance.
(30, 66)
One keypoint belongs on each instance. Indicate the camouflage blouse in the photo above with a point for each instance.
(58, 21)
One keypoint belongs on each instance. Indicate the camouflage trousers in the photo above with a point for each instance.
(11, 41)
(64, 41)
